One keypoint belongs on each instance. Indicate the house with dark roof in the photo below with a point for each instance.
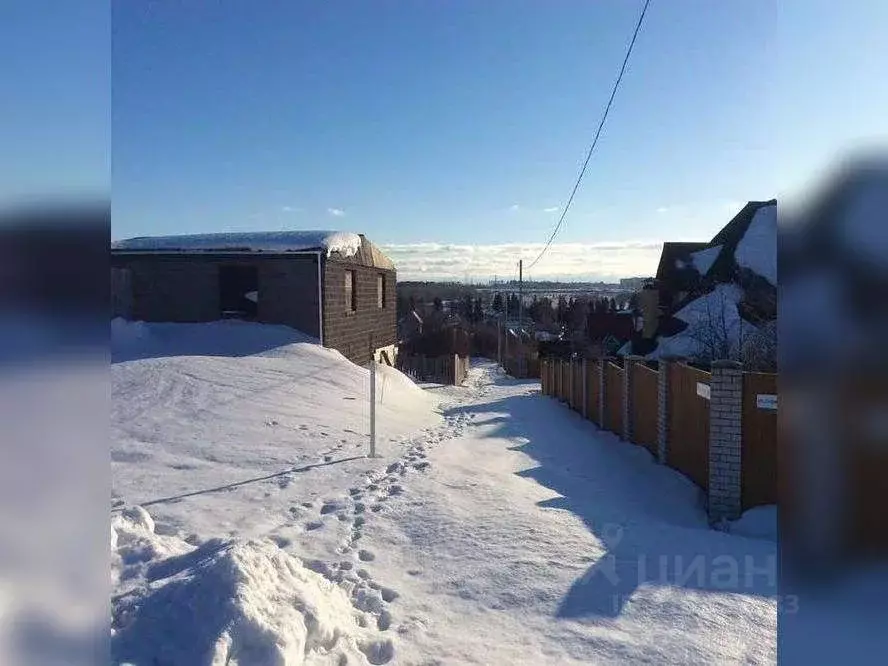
(335, 286)
(676, 275)
(409, 326)
(734, 273)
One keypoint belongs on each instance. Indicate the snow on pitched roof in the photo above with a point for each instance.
(703, 259)
(345, 243)
(757, 250)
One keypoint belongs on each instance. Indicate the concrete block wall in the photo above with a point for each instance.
(358, 334)
(725, 441)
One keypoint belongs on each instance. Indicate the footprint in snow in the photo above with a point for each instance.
(366, 555)
(384, 621)
(313, 525)
(331, 506)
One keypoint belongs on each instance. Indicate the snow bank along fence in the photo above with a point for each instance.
(445, 369)
(718, 428)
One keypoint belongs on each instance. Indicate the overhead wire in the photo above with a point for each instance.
(595, 139)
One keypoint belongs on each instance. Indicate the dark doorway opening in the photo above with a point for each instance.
(238, 292)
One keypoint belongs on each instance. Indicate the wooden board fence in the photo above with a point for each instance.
(576, 389)
(613, 396)
(594, 390)
(449, 369)
(688, 449)
(759, 441)
(644, 406)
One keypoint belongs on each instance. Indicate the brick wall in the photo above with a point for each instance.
(725, 440)
(288, 292)
(357, 334)
(175, 288)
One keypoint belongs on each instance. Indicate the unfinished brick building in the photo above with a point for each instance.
(335, 286)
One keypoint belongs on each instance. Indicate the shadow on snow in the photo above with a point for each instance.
(650, 518)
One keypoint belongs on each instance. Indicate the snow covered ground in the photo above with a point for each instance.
(497, 528)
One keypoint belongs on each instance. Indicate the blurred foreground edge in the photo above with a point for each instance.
(54, 258)
(833, 353)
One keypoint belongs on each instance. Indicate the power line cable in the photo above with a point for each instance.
(595, 140)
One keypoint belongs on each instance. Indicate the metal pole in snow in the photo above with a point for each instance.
(373, 407)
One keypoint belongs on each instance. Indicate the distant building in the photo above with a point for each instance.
(409, 326)
(335, 286)
(633, 283)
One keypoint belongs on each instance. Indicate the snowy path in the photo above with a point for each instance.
(531, 537)
(505, 530)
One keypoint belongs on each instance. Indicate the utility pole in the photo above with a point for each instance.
(521, 312)
(520, 292)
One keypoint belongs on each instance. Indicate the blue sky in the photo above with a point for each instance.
(443, 130)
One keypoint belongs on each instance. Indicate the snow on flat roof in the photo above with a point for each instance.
(757, 250)
(345, 243)
(703, 259)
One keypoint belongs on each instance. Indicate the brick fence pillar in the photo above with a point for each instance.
(663, 390)
(629, 362)
(602, 390)
(725, 440)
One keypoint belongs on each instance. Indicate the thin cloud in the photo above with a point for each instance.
(514, 208)
(552, 209)
(290, 209)
(336, 212)
(572, 261)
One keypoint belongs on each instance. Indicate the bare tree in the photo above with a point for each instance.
(714, 334)
(721, 333)
(760, 348)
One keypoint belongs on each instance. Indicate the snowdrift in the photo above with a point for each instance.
(230, 413)
(227, 602)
